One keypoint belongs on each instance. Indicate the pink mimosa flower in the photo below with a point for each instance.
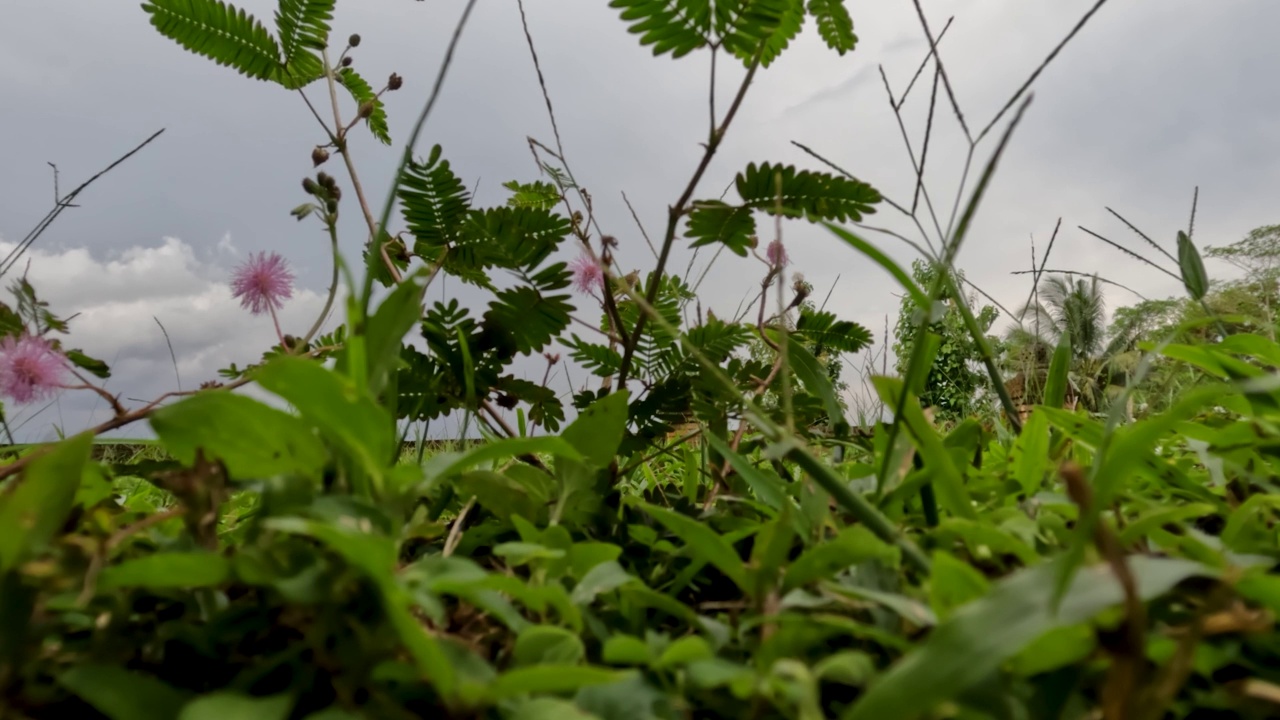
(776, 254)
(30, 369)
(586, 273)
(262, 283)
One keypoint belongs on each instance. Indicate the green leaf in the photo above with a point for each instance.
(123, 694)
(93, 366)
(168, 570)
(815, 379)
(549, 679)
(444, 465)
(625, 650)
(835, 27)
(767, 487)
(303, 27)
(1194, 277)
(387, 326)
(1055, 384)
(952, 491)
(546, 708)
(253, 440)
(226, 705)
(1029, 458)
(332, 403)
(855, 544)
(602, 578)
(965, 649)
(714, 221)
(953, 583)
(684, 651)
(703, 542)
(546, 644)
(677, 27)
(364, 93)
(804, 193)
(220, 32)
(32, 514)
(598, 430)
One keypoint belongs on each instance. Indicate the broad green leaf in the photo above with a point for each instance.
(625, 650)
(122, 694)
(703, 543)
(602, 578)
(978, 638)
(252, 439)
(32, 513)
(334, 405)
(545, 708)
(227, 705)
(815, 379)
(768, 487)
(1029, 458)
(168, 570)
(950, 485)
(376, 556)
(1055, 384)
(547, 644)
(549, 679)
(684, 651)
(598, 430)
(1194, 277)
(953, 584)
(855, 544)
(444, 465)
(387, 326)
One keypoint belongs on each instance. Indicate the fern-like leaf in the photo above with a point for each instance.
(824, 331)
(363, 93)
(225, 34)
(596, 359)
(671, 26)
(522, 320)
(812, 195)
(746, 24)
(435, 204)
(713, 221)
(539, 194)
(303, 28)
(834, 24)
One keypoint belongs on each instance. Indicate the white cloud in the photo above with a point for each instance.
(117, 298)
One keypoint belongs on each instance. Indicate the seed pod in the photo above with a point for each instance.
(319, 156)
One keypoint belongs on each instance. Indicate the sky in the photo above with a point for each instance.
(1152, 99)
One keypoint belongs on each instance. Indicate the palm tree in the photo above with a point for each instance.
(1076, 310)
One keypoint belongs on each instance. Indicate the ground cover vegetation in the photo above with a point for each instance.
(1065, 519)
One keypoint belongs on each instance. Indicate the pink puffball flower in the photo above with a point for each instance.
(586, 273)
(30, 369)
(776, 254)
(262, 283)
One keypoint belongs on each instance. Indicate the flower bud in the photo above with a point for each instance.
(326, 180)
(354, 40)
(309, 186)
(366, 109)
(318, 156)
(394, 82)
(346, 61)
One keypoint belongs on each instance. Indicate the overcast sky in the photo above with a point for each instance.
(1153, 98)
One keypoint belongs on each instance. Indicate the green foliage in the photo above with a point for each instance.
(295, 563)
(783, 190)
(955, 387)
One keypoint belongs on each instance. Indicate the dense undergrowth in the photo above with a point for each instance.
(708, 537)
